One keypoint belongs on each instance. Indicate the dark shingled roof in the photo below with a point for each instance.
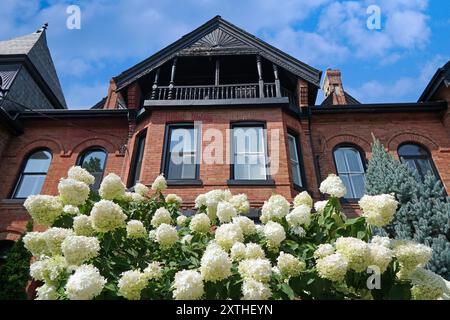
(441, 77)
(34, 46)
(100, 104)
(328, 101)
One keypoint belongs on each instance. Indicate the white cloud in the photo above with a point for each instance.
(83, 96)
(377, 91)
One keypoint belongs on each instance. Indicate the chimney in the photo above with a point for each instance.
(332, 85)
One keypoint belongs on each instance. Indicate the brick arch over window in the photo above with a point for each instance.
(346, 139)
(11, 234)
(101, 143)
(405, 137)
(42, 143)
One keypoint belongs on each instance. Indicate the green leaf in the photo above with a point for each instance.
(288, 291)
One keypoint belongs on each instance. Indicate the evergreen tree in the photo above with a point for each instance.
(423, 214)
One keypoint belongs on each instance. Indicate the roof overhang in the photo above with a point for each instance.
(11, 124)
(439, 79)
(382, 108)
(240, 42)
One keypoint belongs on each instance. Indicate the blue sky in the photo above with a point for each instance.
(393, 64)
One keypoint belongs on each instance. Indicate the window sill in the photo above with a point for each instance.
(195, 182)
(267, 183)
(13, 201)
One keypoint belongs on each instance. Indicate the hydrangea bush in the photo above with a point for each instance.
(138, 245)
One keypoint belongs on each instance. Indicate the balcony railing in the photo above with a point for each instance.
(227, 91)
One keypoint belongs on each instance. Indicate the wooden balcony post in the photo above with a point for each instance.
(260, 79)
(172, 78)
(216, 79)
(277, 81)
(155, 85)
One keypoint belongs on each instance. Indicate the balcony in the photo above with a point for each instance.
(249, 93)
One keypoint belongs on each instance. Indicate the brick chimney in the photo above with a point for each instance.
(332, 85)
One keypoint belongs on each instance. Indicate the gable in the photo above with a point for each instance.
(219, 37)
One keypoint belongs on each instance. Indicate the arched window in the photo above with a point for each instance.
(33, 174)
(94, 161)
(350, 168)
(417, 158)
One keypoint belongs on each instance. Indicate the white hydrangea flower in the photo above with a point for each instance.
(300, 216)
(136, 197)
(166, 235)
(303, 198)
(188, 285)
(225, 212)
(238, 251)
(255, 290)
(200, 201)
(380, 256)
(187, 239)
(44, 209)
(50, 270)
(136, 229)
(80, 174)
(107, 216)
(378, 210)
(254, 251)
(181, 220)
(73, 192)
(215, 264)
(152, 235)
(127, 197)
(382, 241)
(274, 233)
(160, 183)
(257, 269)
(78, 249)
(212, 199)
(112, 187)
(356, 252)
(46, 292)
(228, 234)
(85, 284)
(131, 283)
(240, 203)
(276, 208)
(161, 215)
(35, 243)
(172, 198)
(323, 250)
(54, 237)
(427, 285)
(200, 223)
(333, 186)
(82, 225)
(411, 255)
(141, 189)
(319, 206)
(71, 210)
(153, 271)
(298, 231)
(247, 225)
(332, 267)
(289, 265)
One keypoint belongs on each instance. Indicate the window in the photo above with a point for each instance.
(417, 158)
(94, 160)
(350, 169)
(33, 175)
(249, 152)
(294, 158)
(137, 160)
(180, 161)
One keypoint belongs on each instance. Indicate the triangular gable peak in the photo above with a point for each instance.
(219, 37)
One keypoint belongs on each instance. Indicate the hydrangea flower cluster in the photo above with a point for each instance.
(127, 246)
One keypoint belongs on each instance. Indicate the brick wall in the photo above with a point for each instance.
(4, 139)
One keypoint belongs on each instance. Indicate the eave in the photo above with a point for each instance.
(72, 114)
(11, 124)
(382, 108)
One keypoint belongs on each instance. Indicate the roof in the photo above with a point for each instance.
(100, 104)
(7, 74)
(441, 77)
(34, 47)
(219, 37)
(407, 107)
(328, 101)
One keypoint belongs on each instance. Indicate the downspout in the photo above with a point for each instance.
(315, 157)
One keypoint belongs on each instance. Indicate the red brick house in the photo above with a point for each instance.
(216, 84)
